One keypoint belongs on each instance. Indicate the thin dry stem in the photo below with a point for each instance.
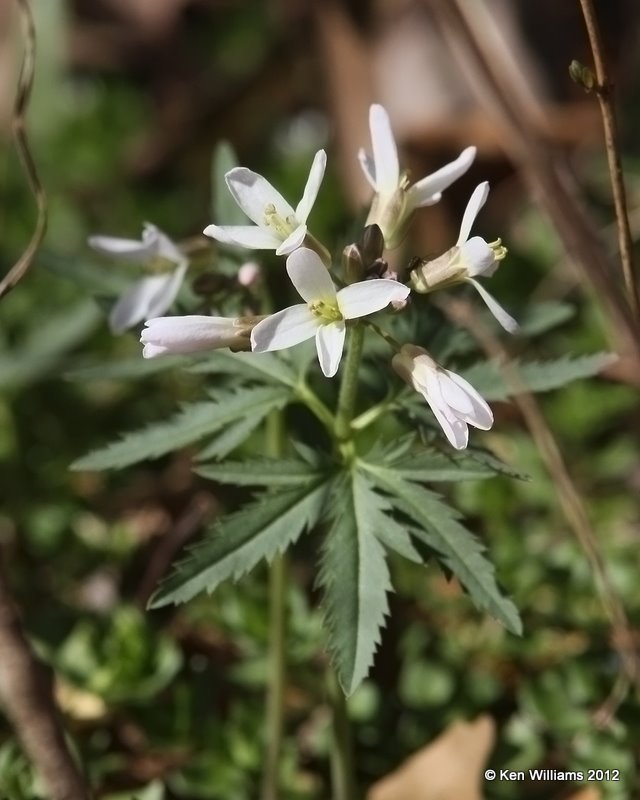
(573, 507)
(25, 85)
(604, 93)
(468, 31)
(26, 693)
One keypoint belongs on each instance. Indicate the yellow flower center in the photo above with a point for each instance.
(282, 227)
(499, 250)
(326, 311)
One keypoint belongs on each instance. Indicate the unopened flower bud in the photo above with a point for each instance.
(209, 283)
(352, 263)
(372, 244)
(249, 274)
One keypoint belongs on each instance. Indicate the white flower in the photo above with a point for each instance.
(396, 199)
(277, 226)
(324, 311)
(149, 296)
(191, 334)
(467, 259)
(455, 403)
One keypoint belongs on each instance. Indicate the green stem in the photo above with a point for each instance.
(278, 576)
(342, 772)
(349, 385)
(316, 406)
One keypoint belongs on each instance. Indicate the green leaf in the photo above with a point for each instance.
(39, 354)
(537, 376)
(254, 367)
(238, 541)
(233, 436)
(417, 462)
(355, 579)
(192, 423)
(262, 472)
(224, 208)
(460, 551)
(543, 317)
(127, 368)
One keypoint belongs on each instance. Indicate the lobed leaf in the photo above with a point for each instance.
(256, 367)
(440, 530)
(238, 541)
(537, 376)
(262, 472)
(355, 579)
(191, 424)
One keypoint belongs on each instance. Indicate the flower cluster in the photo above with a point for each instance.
(328, 307)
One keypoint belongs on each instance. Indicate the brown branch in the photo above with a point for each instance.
(604, 93)
(470, 34)
(26, 693)
(25, 84)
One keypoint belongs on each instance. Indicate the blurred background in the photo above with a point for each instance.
(131, 97)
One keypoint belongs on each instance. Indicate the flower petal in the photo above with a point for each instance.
(165, 247)
(153, 351)
(428, 190)
(249, 236)
(481, 416)
(187, 334)
(455, 429)
(293, 241)
(132, 249)
(284, 329)
(310, 276)
(478, 257)
(476, 201)
(329, 345)
(316, 174)
(368, 167)
(254, 194)
(505, 319)
(133, 306)
(385, 152)
(167, 292)
(454, 396)
(367, 297)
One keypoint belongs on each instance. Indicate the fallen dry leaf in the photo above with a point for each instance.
(450, 768)
(591, 793)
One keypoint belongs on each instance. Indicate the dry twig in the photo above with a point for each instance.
(573, 507)
(25, 84)
(467, 29)
(604, 92)
(26, 693)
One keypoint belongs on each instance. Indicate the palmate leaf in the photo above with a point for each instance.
(263, 472)
(127, 368)
(415, 461)
(238, 541)
(355, 579)
(254, 367)
(440, 530)
(537, 376)
(192, 423)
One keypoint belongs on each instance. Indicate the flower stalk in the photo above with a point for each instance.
(278, 579)
(342, 767)
(349, 385)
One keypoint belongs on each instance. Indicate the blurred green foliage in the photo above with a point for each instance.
(177, 696)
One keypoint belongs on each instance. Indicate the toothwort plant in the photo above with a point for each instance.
(357, 468)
